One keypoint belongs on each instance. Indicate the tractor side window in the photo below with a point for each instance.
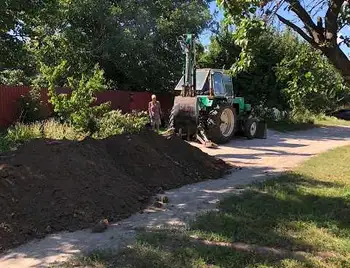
(228, 85)
(219, 88)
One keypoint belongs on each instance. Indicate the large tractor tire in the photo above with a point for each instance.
(222, 124)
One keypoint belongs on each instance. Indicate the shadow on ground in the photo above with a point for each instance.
(281, 218)
(289, 145)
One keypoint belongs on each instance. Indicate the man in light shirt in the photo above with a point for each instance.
(155, 113)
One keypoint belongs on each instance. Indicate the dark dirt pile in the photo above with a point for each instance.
(46, 188)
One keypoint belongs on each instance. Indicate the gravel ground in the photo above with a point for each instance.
(258, 159)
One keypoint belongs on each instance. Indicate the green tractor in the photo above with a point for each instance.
(206, 107)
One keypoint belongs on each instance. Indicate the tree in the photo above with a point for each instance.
(285, 73)
(320, 33)
(222, 51)
(134, 42)
(17, 19)
(78, 108)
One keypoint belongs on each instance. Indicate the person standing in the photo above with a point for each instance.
(155, 113)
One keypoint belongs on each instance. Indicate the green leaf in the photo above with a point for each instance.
(308, 75)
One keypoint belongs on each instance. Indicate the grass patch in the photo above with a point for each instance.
(306, 210)
(298, 123)
(331, 121)
(304, 215)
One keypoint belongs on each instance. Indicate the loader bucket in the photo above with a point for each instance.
(186, 114)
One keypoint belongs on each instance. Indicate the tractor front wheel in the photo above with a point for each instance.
(222, 124)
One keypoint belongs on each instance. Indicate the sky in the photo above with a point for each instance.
(205, 37)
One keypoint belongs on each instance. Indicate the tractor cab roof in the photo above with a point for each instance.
(211, 69)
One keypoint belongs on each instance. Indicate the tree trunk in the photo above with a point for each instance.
(340, 61)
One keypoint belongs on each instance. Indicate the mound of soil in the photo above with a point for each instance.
(49, 187)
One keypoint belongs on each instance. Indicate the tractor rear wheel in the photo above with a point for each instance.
(222, 124)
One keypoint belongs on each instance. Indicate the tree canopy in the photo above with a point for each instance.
(320, 22)
(134, 42)
(284, 73)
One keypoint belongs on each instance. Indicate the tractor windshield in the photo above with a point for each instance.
(201, 77)
(219, 89)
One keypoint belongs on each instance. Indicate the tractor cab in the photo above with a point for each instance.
(207, 79)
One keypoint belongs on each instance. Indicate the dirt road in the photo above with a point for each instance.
(259, 159)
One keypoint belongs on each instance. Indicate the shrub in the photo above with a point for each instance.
(312, 83)
(30, 109)
(78, 109)
(114, 123)
(110, 124)
(4, 143)
(53, 129)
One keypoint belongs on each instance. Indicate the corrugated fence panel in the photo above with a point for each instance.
(120, 100)
(9, 103)
(166, 102)
(139, 101)
(126, 101)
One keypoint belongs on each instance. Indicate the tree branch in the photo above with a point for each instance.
(298, 30)
(314, 31)
(298, 9)
(331, 18)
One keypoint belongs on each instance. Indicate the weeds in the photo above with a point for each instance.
(112, 123)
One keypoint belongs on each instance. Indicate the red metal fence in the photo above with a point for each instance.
(126, 101)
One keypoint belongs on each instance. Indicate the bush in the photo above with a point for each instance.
(23, 132)
(30, 109)
(114, 123)
(4, 143)
(78, 109)
(312, 83)
(59, 131)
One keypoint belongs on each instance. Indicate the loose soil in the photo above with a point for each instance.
(50, 187)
